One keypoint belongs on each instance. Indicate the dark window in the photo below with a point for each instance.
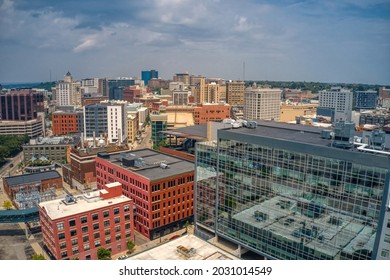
(73, 232)
(96, 235)
(72, 223)
(61, 236)
(106, 214)
(116, 211)
(83, 220)
(95, 217)
(95, 226)
(85, 238)
(84, 229)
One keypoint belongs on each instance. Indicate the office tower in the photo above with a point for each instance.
(367, 99)
(21, 105)
(182, 77)
(160, 185)
(262, 103)
(68, 91)
(335, 103)
(212, 92)
(75, 227)
(107, 119)
(295, 192)
(235, 93)
(148, 75)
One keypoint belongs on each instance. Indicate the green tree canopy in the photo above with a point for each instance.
(103, 254)
(38, 257)
(7, 205)
(130, 245)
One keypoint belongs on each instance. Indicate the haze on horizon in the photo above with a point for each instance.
(337, 41)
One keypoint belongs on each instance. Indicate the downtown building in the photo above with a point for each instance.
(262, 103)
(75, 227)
(160, 185)
(336, 103)
(294, 192)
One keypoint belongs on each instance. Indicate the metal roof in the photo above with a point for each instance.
(30, 178)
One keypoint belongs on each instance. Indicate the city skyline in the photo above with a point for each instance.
(338, 42)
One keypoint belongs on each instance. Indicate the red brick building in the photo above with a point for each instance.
(75, 227)
(211, 112)
(81, 172)
(160, 185)
(65, 122)
(38, 182)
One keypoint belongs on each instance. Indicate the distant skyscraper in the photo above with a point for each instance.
(147, 75)
(68, 91)
(262, 103)
(336, 103)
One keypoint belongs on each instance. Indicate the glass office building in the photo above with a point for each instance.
(285, 192)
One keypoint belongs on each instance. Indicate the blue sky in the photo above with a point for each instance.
(338, 41)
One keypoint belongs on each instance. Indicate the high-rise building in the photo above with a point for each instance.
(75, 227)
(68, 91)
(180, 96)
(160, 185)
(336, 103)
(147, 75)
(235, 93)
(182, 77)
(106, 120)
(262, 103)
(21, 105)
(295, 192)
(212, 92)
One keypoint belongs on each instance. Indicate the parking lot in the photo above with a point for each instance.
(14, 245)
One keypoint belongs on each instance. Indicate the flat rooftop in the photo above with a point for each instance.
(148, 163)
(58, 208)
(202, 250)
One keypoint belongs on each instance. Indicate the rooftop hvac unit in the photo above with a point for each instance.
(164, 165)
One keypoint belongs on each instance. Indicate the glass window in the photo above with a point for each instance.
(96, 235)
(116, 211)
(64, 254)
(106, 223)
(60, 226)
(83, 220)
(95, 216)
(84, 229)
(85, 238)
(117, 220)
(387, 238)
(62, 245)
(388, 224)
(385, 253)
(126, 208)
(108, 240)
(118, 228)
(74, 241)
(97, 243)
(107, 232)
(72, 223)
(117, 237)
(86, 247)
(61, 236)
(95, 226)
(73, 232)
(106, 214)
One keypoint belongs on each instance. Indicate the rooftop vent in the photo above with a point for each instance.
(69, 199)
(164, 165)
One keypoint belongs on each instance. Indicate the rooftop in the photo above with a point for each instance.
(59, 208)
(177, 249)
(151, 164)
(31, 178)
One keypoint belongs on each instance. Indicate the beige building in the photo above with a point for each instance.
(209, 92)
(262, 103)
(235, 93)
(68, 91)
(132, 126)
(288, 112)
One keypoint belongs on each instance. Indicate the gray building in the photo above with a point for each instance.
(367, 99)
(294, 192)
(51, 149)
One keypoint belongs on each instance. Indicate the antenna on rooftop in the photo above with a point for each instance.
(243, 71)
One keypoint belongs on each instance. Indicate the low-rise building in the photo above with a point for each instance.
(75, 227)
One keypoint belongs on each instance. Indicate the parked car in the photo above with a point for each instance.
(123, 257)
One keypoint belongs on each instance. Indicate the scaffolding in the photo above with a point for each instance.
(31, 196)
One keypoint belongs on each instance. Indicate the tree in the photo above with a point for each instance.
(103, 254)
(7, 205)
(130, 245)
(38, 257)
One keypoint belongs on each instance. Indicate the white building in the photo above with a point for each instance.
(262, 103)
(143, 112)
(180, 97)
(116, 121)
(339, 100)
(68, 92)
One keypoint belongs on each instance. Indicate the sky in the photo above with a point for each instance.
(336, 41)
